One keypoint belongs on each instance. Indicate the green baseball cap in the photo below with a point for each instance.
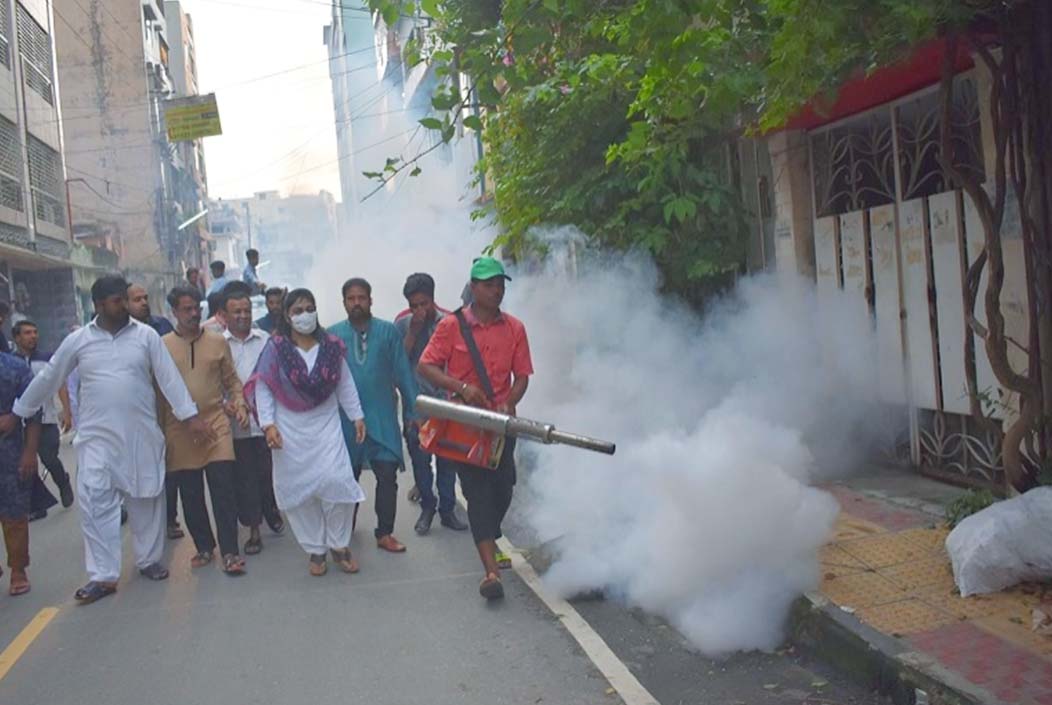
(487, 268)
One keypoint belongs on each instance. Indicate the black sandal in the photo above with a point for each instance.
(253, 546)
(93, 592)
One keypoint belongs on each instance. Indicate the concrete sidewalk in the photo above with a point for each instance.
(888, 609)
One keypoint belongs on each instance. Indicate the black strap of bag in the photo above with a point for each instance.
(473, 350)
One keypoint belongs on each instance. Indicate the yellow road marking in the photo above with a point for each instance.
(16, 648)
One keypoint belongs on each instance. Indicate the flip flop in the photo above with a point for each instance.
(503, 560)
(17, 589)
(318, 566)
(253, 546)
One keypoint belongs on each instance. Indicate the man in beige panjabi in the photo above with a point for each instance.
(207, 367)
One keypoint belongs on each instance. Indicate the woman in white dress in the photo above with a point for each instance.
(300, 383)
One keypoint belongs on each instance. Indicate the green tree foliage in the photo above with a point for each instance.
(622, 117)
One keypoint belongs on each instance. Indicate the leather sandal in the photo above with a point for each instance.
(93, 592)
(318, 566)
(345, 560)
(233, 564)
(200, 560)
(491, 588)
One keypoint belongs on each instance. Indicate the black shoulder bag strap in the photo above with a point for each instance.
(473, 350)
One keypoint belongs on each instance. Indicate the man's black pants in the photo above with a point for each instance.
(386, 494)
(171, 497)
(224, 506)
(488, 493)
(50, 441)
(254, 481)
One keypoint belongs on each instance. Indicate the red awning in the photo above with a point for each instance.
(922, 69)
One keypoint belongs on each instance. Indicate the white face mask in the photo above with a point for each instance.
(305, 323)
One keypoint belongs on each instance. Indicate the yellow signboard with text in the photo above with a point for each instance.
(192, 118)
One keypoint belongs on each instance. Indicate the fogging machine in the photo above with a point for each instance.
(473, 435)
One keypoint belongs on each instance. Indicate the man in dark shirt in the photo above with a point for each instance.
(275, 295)
(139, 309)
(26, 337)
(417, 324)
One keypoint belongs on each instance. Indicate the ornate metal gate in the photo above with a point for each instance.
(891, 230)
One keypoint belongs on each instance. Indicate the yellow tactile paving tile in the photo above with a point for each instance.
(849, 527)
(835, 561)
(858, 590)
(932, 541)
(916, 575)
(886, 549)
(907, 616)
(1014, 626)
(974, 607)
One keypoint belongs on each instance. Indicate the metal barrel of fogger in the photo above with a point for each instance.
(507, 425)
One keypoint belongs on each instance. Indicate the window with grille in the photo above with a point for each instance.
(45, 176)
(35, 47)
(10, 166)
(5, 31)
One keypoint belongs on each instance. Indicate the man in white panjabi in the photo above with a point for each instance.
(301, 382)
(119, 444)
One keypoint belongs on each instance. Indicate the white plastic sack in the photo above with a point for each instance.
(1007, 543)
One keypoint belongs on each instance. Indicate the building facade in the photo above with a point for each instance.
(189, 176)
(378, 100)
(36, 273)
(287, 231)
(114, 61)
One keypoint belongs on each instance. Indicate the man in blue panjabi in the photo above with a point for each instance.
(378, 362)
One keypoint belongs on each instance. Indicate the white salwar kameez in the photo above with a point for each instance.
(119, 444)
(313, 478)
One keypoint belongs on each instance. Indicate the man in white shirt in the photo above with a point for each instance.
(253, 471)
(119, 444)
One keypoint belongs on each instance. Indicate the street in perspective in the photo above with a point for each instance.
(526, 351)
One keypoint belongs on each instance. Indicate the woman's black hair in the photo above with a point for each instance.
(284, 326)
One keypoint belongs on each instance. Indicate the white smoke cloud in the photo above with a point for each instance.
(706, 515)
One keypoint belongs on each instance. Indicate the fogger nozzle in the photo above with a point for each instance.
(506, 425)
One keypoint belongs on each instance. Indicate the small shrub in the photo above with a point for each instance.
(970, 503)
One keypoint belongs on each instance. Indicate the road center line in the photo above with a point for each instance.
(18, 646)
(613, 669)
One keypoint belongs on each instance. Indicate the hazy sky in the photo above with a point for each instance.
(278, 131)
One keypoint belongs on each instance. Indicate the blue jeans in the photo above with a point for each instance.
(425, 479)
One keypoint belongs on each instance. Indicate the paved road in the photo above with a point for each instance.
(407, 629)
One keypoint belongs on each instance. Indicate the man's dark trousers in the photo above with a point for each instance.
(50, 441)
(386, 494)
(224, 506)
(488, 493)
(425, 478)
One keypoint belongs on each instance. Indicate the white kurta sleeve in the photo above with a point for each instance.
(169, 380)
(45, 385)
(347, 394)
(265, 404)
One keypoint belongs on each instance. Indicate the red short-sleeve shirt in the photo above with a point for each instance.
(503, 345)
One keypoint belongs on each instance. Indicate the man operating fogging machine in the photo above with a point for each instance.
(481, 355)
